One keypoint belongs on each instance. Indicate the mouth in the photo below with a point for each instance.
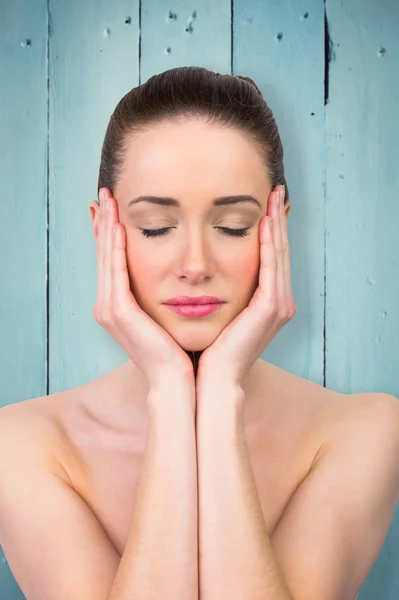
(195, 310)
(194, 300)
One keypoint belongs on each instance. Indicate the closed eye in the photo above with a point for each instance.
(226, 231)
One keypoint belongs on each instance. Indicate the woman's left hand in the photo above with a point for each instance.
(230, 357)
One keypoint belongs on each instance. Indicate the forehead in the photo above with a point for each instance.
(192, 156)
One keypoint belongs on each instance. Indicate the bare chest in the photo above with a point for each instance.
(104, 465)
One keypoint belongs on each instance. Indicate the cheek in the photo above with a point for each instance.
(142, 266)
(142, 262)
(245, 265)
(246, 275)
(143, 273)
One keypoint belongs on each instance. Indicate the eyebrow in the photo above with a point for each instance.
(221, 201)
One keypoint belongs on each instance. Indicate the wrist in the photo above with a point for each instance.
(218, 393)
(170, 395)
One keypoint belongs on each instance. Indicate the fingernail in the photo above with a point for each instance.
(102, 195)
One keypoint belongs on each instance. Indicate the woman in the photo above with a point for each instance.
(196, 469)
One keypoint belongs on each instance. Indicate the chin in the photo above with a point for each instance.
(193, 347)
(194, 340)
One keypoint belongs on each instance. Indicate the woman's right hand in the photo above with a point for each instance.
(150, 347)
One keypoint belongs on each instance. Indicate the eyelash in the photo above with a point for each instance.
(226, 231)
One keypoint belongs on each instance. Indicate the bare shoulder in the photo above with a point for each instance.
(338, 517)
(33, 430)
(36, 500)
(331, 406)
(318, 418)
(351, 424)
(363, 419)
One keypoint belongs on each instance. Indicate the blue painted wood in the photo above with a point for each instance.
(280, 46)
(362, 217)
(23, 175)
(341, 169)
(23, 172)
(362, 132)
(94, 63)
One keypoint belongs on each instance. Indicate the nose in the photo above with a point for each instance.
(196, 262)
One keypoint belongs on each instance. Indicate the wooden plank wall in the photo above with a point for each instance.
(329, 73)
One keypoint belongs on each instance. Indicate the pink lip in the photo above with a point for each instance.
(194, 310)
(194, 300)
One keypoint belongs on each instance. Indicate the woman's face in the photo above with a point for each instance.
(192, 163)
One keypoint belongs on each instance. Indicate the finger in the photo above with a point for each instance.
(268, 267)
(287, 259)
(122, 295)
(109, 218)
(278, 244)
(100, 257)
(100, 251)
(118, 274)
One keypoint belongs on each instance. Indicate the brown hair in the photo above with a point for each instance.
(186, 93)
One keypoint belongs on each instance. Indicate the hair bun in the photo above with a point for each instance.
(251, 81)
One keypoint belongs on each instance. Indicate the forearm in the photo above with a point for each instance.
(236, 559)
(161, 555)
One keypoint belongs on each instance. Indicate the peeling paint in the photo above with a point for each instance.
(190, 22)
(326, 58)
(171, 16)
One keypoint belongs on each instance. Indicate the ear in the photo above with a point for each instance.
(94, 208)
(287, 208)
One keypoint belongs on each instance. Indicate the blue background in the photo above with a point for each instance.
(329, 71)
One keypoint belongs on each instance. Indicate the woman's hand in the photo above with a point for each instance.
(151, 348)
(235, 350)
